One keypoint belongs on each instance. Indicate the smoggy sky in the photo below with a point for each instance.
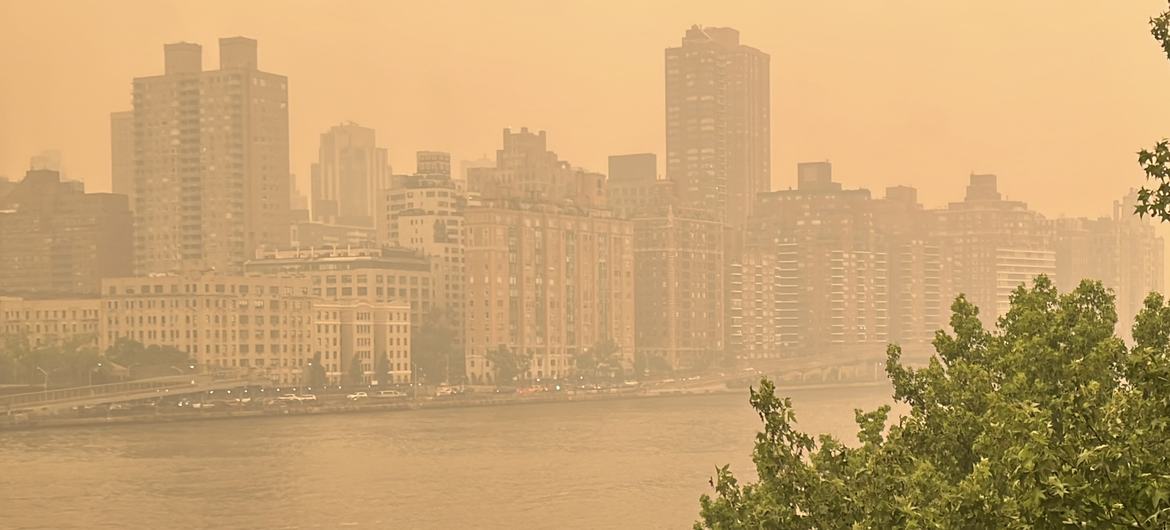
(1055, 96)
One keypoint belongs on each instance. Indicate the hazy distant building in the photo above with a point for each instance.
(526, 169)
(49, 160)
(832, 267)
(633, 186)
(122, 154)
(350, 175)
(1123, 252)
(718, 135)
(548, 281)
(916, 269)
(357, 275)
(426, 214)
(433, 164)
(307, 235)
(56, 239)
(50, 321)
(211, 160)
(992, 245)
(679, 287)
(243, 322)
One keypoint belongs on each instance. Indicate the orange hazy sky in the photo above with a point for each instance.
(1055, 96)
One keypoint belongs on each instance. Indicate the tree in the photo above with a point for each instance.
(314, 373)
(382, 369)
(1154, 201)
(1049, 420)
(509, 365)
(147, 361)
(603, 359)
(355, 376)
(433, 349)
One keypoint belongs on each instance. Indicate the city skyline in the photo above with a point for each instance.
(1022, 117)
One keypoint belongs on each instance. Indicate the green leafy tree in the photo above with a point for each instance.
(433, 349)
(509, 365)
(1047, 421)
(1154, 201)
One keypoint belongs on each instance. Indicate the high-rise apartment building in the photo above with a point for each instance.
(679, 283)
(1123, 252)
(242, 322)
(350, 176)
(122, 154)
(546, 281)
(992, 245)
(718, 116)
(633, 186)
(55, 239)
(526, 169)
(211, 164)
(426, 214)
(832, 295)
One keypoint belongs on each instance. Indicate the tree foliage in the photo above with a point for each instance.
(314, 373)
(1154, 201)
(133, 354)
(66, 363)
(602, 360)
(433, 348)
(1049, 420)
(509, 365)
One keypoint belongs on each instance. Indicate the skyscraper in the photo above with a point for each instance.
(211, 160)
(55, 239)
(718, 122)
(122, 154)
(350, 175)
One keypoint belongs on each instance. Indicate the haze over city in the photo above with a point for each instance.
(1049, 95)
(532, 264)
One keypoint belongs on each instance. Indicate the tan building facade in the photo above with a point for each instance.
(549, 282)
(346, 334)
(211, 159)
(243, 322)
(50, 321)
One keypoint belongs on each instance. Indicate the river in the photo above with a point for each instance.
(638, 463)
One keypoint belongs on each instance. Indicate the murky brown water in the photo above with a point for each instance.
(613, 464)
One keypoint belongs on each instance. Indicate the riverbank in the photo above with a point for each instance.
(370, 407)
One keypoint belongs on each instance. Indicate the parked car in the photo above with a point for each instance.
(390, 394)
(447, 391)
(357, 395)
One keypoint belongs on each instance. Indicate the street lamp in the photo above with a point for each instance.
(39, 369)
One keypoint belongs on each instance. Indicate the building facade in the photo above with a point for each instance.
(55, 239)
(50, 321)
(548, 282)
(718, 116)
(349, 337)
(680, 286)
(232, 322)
(122, 154)
(211, 162)
(350, 176)
(372, 275)
(992, 245)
